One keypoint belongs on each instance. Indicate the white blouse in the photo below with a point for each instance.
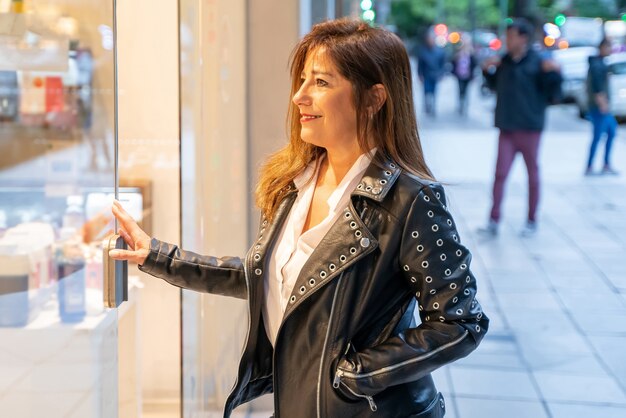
(293, 248)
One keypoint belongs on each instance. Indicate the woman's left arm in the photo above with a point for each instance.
(437, 268)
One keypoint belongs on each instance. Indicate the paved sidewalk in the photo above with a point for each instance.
(557, 301)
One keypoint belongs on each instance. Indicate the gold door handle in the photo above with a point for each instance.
(115, 286)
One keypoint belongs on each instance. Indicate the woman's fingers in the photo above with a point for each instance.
(127, 222)
(129, 255)
(129, 241)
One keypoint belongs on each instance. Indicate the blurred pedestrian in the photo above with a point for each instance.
(599, 110)
(525, 83)
(464, 63)
(431, 60)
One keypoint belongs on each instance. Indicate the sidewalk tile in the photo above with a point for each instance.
(559, 410)
(509, 384)
(499, 408)
(566, 387)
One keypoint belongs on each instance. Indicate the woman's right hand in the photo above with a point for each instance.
(137, 240)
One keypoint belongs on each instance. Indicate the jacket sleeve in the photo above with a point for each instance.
(222, 276)
(437, 268)
(550, 85)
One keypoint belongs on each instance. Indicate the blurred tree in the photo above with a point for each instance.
(413, 17)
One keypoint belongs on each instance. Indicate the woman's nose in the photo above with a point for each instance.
(301, 97)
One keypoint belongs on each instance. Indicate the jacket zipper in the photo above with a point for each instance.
(330, 321)
(338, 382)
(404, 363)
(243, 350)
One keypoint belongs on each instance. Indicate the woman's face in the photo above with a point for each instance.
(325, 100)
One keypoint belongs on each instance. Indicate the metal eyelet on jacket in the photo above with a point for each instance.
(302, 290)
(466, 292)
(427, 199)
(438, 195)
(455, 237)
(342, 258)
(392, 165)
(358, 233)
(420, 248)
(468, 279)
(439, 242)
(258, 272)
(452, 286)
(449, 222)
(459, 311)
(432, 291)
(292, 299)
(459, 253)
(424, 264)
(413, 279)
(415, 234)
(382, 181)
(368, 188)
(435, 228)
(443, 257)
(430, 213)
(311, 282)
(322, 274)
(429, 279)
(353, 225)
(448, 272)
(463, 266)
(376, 190)
(406, 268)
(352, 250)
(387, 173)
(360, 186)
(477, 328)
(257, 257)
(256, 247)
(442, 319)
(436, 305)
(479, 316)
(455, 299)
(332, 267)
(264, 223)
(347, 215)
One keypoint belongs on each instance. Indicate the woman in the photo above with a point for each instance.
(354, 231)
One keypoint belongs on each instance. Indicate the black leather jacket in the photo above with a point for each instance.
(348, 345)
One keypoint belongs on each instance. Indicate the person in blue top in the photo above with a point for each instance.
(599, 111)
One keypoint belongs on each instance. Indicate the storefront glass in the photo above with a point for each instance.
(58, 344)
(214, 189)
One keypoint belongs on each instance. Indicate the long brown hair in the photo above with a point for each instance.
(365, 56)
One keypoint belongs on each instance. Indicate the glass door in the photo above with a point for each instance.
(58, 344)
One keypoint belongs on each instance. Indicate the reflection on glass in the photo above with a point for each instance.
(57, 343)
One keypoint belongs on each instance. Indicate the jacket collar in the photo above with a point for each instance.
(378, 179)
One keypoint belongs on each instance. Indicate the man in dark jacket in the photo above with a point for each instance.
(525, 84)
(430, 63)
(599, 112)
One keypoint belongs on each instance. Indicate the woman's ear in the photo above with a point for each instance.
(377, 98)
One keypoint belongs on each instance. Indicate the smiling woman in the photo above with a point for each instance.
(355, 234)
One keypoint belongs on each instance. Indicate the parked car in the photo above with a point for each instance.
(574, 66)
(617, 86)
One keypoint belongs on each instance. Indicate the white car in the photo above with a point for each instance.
(574, 66)
(617, 86)
(617, 83)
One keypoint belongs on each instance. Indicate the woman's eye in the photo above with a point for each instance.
(321, 82)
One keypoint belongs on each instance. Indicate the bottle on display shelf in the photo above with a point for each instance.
(70, 261)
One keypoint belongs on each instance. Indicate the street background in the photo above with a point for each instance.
(557, 300)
